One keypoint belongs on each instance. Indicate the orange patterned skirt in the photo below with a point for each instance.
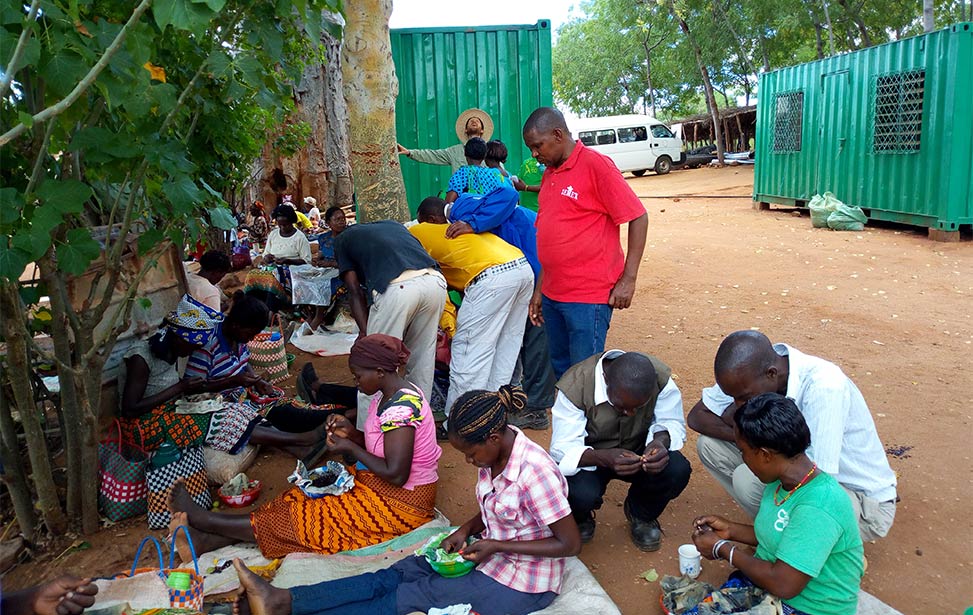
(373, 512)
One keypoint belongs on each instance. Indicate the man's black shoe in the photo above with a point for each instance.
(586, 528)
(647, 535)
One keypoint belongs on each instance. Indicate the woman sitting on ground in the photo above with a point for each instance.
(273, 279)
(524, 520)
(256, 223)
(808, 549)
(224, 365)
(150, 387)
(394, 495)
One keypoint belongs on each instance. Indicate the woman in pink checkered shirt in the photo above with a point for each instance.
(525, 527)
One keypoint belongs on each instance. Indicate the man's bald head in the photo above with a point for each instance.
(631, 381)
(744, 353)
(544, 120)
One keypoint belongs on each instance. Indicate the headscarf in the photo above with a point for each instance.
(379, 351)
(192, 321)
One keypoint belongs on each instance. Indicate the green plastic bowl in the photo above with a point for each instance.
(451, 570)
(290, 358)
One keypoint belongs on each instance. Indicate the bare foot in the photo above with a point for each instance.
(181, 501)
(182, 545)
(262, 597)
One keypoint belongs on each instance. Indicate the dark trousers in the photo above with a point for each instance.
(648, 495)
(538, 377)
(411, 585)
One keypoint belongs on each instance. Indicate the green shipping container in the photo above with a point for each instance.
(504, 70)
(888, 128)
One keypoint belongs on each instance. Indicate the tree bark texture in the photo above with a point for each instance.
(14, 473)
(18, 364)
(321, 168)
(370, 91)
(707, 83)
(928, 16)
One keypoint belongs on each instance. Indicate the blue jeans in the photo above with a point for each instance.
(411, 585)
(575, 331)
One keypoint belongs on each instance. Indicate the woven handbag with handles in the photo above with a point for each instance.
(267, 354)
(122, 490)
(191, 598)
(191, 469)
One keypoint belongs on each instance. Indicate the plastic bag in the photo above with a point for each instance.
(847, 218)
(333, 479)
(822, 206)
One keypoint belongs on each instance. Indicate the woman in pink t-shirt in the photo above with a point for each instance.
(394, 493)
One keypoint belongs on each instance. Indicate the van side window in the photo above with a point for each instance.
(588, 138)
(605, 137)
(630, 135)
(661, 132)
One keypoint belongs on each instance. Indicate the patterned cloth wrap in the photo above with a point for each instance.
(192, 321)
(272, 279)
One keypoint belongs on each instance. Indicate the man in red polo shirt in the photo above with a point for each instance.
(585, 275)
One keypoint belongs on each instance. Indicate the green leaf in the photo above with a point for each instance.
(181, 14)
(77, 251)
(45, 219)
(209, 189)
(13, 262)
(183, 194)
(63, 71)
(650, 575)
(145, 303)
(33, 242)
(11, 205)
(149, 239)
(214, 5)
(31, 295)
(219, 63)
(25, 118)
(30, 56)
(251, 69)
(100, 144)
(67, 197)
(222, 218)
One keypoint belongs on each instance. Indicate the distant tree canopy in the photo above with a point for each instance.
(625, 54)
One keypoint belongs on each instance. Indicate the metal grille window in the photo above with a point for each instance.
(898, 111)
(789, 111)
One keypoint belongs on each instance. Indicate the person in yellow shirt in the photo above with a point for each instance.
(496, 282)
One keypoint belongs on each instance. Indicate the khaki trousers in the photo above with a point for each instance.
(409, 310)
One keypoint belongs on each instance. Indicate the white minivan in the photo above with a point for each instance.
(635, 143)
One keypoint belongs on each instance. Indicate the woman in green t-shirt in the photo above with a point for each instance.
(807, 550)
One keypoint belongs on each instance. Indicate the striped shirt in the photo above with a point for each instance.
(844, 441)
(219, 358)
(519, 504)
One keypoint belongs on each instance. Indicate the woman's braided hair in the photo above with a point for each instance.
(477, 414)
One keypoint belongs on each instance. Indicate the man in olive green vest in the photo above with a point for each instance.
(618, 415)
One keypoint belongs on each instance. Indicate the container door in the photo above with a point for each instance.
(833, 132)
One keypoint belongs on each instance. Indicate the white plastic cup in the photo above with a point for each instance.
(690, 562)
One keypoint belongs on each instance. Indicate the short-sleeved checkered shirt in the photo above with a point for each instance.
(520, 504)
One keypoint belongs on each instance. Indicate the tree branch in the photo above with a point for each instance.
(8, 75)
(62, 105)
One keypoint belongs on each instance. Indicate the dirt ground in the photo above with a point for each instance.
(889, 306)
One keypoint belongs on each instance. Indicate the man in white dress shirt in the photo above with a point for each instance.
(844, 441)
(618, 415)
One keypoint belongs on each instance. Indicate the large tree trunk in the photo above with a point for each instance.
(18, 363)
(928, 16)
(714, 111)
(321, 168)
(14, 474)
(370, 91)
